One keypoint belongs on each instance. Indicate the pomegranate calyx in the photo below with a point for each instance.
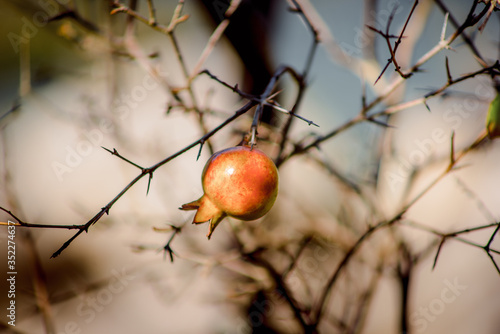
(205, 211)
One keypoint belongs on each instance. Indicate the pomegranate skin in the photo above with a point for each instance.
(239, 182)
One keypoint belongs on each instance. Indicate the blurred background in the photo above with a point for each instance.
(77, 76)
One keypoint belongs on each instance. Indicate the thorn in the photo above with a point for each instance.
(375, 29)
(279, 108)
(363, 96)
(170, 251)
(149, 182)
(448, 74)
(452, 153)
(443, 238)
(426, 105)
(480, 61)
(445, 23)
(107, 149)
(373, 120)
(383, 71)
(201, 147)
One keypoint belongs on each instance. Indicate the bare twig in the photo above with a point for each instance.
(15, 106)
(214, 38)
(152, 13)
(25, 224)
(309, 313)
(319, 307)
(149, 171)
(479, 203)
(392, 50)
(281, 286)
(455, 23)
(168, 246)
(40, 286)
(301, 80)
(300, 149)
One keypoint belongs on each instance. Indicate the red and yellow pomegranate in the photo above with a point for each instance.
(240, 182)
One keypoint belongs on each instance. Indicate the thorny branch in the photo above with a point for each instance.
(144, 172)
(301, 80)
(260, 101)
(298, 149)
(456, 236)
(318, 311)
(361, 117)
(392, 50)
(308, 319)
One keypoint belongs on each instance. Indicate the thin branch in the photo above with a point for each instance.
(280, 286)
(300, 79)
(494, 262)
(267, 101)
(392, 50)
(448, 73)
(475, 228)
(300, 149)
(149, 171)
(493, 4)
(455, 23)
(479, 203)
(263, 98)
(276, 106)
(115, 152)
(361, 117)
(441, 243)
(487, 247)
(318, 311)
(176, 19)
(152, 13)
(455, 236)
(214, 38)
(22, 223)
(168, 246)
(119, 8)
(302, 246)
(225, 84)
(39, 282)
(312, 50)
(15, 106)
(493, 69)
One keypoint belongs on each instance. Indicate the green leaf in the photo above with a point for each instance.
(493, 118)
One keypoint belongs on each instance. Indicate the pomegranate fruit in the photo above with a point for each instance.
(240, 182)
